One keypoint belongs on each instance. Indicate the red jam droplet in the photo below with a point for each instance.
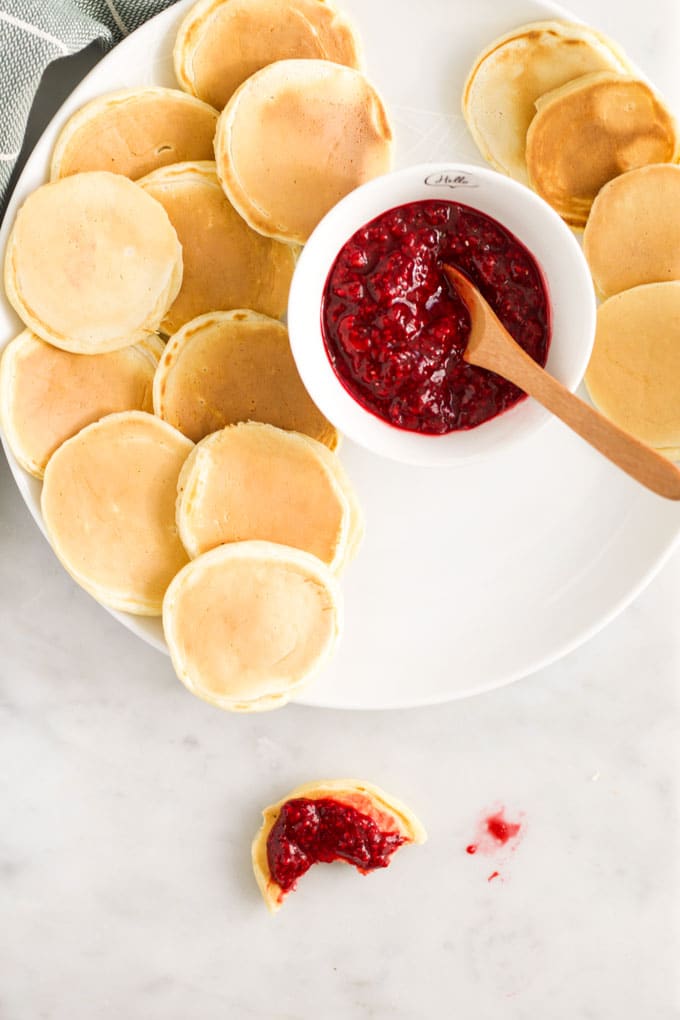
(494, 874)
(395, 330)
(500, 829)
(309, 831)
(493, 833)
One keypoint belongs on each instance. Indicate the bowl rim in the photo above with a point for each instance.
(565, 273)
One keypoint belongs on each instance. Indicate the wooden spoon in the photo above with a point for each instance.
(491, 346)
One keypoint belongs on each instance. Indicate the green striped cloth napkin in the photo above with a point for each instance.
(35, 32)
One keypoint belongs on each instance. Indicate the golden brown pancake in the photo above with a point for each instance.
(134, 132)
(591, 130)
(633, 232)
(227, 367)
(249, 624)
(220, 43)
(356, 516)
(389, 814)
(634, 371)
(226, 264)
(254, 481)
(47, 395)
(92, 263)
(294, 139)
(108, 503)
(514, 71)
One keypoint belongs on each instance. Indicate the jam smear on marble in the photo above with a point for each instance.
(501, 830)
(494, 831)
(395, 329)
(308, 831)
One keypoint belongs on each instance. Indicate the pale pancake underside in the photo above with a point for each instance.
(254, 481)
(226, 264)
(92, 263)
(356, 514)
(294, 139)
(226, 367)
(590, 130)
(390, 814)
(220, 43)
(249, 624)
(47, 395)
(108, 503)
(634, 371)
(633, 232)
(135, 131)
(515, 70)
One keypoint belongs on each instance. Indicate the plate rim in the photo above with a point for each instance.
(162, 21)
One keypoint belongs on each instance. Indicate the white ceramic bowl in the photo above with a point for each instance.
(541, 230)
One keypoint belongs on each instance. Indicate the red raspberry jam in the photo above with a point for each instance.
(395, 330)
(308, 831)
(500, 829)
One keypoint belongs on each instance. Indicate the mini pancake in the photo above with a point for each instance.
(356, 516)
(591, 130)
(227, 367)
(249, 624)
(92, 263)
(634, 371)
(633, 232)
(47, 395)
(220, 43)
(226, 264)
(134, 132)
(389, 814)
(509, 76)
(254, 481)
(108, 503)
(294, 139)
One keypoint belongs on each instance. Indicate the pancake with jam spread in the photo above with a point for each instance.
(226, 263)
(220, 43)
(92, 263)
(634, 372)
(134, 132)
(254, 481)
(384, 813)
(226, 367)
(249, 624)
(515, 70)
(633, 232)
(589, 131)
(294, 139)
(108, 503)
(47, 395)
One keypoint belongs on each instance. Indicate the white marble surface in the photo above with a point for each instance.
(127, 809)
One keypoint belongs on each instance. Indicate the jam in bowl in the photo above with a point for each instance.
(378, 332)
(395, 330)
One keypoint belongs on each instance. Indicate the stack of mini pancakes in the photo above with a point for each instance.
(195, 478)
(558, 106)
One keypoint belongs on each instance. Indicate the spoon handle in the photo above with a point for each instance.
(641, 462)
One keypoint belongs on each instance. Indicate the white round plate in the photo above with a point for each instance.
(469, 577)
